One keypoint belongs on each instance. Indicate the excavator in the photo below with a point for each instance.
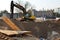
(16, 31)
(26, 15)
(39, 29)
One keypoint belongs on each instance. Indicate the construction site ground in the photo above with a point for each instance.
(38, 29)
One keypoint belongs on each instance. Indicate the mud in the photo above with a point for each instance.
(38, 29)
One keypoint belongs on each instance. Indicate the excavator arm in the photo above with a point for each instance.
(18, 6)
(26, 15)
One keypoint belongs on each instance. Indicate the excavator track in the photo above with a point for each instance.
(5, 37)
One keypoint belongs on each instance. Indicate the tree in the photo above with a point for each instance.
(26, 5)
(56, 14)
(4, 11)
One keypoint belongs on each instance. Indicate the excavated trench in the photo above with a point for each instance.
(38, 29)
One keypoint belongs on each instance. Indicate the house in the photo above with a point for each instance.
(17, 15)
(44, 14)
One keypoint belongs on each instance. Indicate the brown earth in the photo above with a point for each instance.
(38, 28)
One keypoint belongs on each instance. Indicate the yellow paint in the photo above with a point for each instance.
(32, 17)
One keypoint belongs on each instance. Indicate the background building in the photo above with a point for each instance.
(44, 14)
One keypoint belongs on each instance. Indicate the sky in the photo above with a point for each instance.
(37, 4)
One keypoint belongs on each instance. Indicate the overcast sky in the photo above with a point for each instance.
(38, 4)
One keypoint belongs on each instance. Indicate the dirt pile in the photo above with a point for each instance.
(3, 25)
(38, 28)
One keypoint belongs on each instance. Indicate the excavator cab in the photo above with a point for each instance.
(26, 15)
